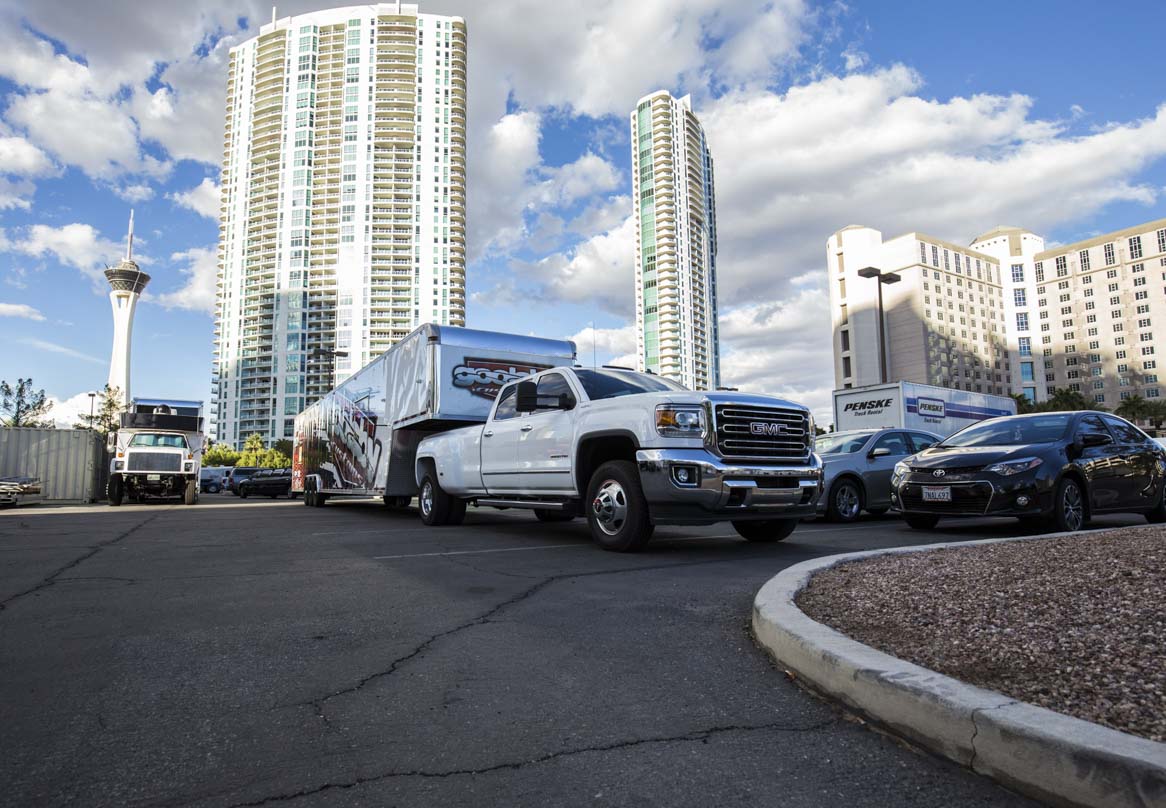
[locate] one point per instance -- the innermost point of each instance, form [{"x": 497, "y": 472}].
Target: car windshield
[
  {"x": 149, "y": 439},
  {"x": 605, "y": 383},
  {"x": 1015, "y": 431},
  {"x": 841, "y": 443}
]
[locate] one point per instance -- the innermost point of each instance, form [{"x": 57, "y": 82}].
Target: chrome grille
[
  {"x": 154, "y": 461},
  {"x": 762, "y": 433}
]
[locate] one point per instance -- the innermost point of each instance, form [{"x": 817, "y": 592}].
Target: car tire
[
  {"x": 190, "y": 495},
  {"x": 1157, "y": 515},
  {"x": 845, "y": 503},
  {"x": 544, "y": 515},
  {"x": 438, "y": 508},
  {"x": 768, "y": 531},
  {"x": 921, "y": 521},
  {"x": 617, "y": 511},
  {"x": 242, "y": 493},
  {"x": 115, "y": 490},
  {"x": 1069, "y": 514}
]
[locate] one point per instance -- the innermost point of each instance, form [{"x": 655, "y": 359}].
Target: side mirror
[
  {"x": 111, "y": 441},
  {"x": 882, "y": 451},
  {"x": 527, "y": 397},
  {"x": 566, "y": 401},
  {"x": 1093, "y": 439}
]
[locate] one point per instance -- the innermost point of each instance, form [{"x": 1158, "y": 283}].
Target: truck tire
[
  {"x": 115, "y": 490},
  {"x": 768, "y": 531},
  {"x": 545, "y": 515},
  {"x": 921, "y": 521},
  {"x": 617, "y": 511},
  {"x": 845, "y": 503},
  {"x": 436, "y": 507},
  {"x": 190, "y": 495}
]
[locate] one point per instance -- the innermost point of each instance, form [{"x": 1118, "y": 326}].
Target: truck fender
[{"x": 593, "y": 449}]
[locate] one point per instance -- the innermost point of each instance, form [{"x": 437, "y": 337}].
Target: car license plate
[
  {"x": 937, "y": 493},
  {"x": 153, "y": 477}
]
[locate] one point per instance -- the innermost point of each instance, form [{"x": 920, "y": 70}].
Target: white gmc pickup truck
[{"x": 630, "y": 451}]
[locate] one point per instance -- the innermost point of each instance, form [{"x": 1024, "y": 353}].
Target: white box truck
[
  {"x": 907, "y": 405},
  {"x": 361, "y": 438}
]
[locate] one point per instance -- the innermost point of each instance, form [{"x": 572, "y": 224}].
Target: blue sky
[{"x": 947, "y": 118}]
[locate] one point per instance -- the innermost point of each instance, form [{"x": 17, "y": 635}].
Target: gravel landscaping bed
[{"x": 1076, "y": 624}]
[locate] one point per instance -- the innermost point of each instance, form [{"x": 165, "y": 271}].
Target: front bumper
[
  {"x": 718, "y": 491},
  {"x": 986, "y": 495}
]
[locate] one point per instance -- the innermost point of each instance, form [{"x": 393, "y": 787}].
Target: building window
[
  {"x": 1040, "y": 272},
  {"x": 1019, "y": 297},
  {"x": 1025, "y": 346},
  {"x": 1021, "y": 321},
  {"x": 1162, "y": 240},
  {"x": 1062, "y": 266},
  {"x": 846, "y": 367},
  {"x": 934, "y": 256},
  {"x": 1083, "y": 257},
  {"x": 845, "y": 340},
  {"x": 1018, "y": 273},
  {"x": 1152, "y": 392},
  {"x": 1110, "y": 256},
  {"x": 922, "y": 253},
  {"x": 1136, "y": 247}
]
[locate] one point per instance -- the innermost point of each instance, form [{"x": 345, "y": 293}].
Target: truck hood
[{"x": 686, "y": 397}]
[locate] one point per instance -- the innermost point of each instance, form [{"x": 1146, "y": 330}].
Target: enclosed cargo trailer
[{"x": 361, "y": 438}]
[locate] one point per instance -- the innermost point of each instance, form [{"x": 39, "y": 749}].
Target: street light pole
[
  {"x": 882, "y": 277},
  {"x": 92, "y": 396}
]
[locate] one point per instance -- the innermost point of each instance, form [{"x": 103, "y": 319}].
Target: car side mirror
[
  {"x": 527, "y": 397},
  {"x": 1093, "y": 439},
  {"x": 566, "y": 401},
  {"x": 882, "y": 451}
]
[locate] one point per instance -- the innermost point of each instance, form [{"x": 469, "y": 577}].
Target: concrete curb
[{"x": 1047, "y": 755}]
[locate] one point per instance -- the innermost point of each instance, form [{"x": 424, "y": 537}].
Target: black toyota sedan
[{"x": 1057, "y": 468}]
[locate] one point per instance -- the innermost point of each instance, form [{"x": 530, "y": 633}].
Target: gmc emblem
[{"x": 761, "y": 428}]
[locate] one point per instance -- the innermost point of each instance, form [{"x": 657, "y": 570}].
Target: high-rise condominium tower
[
  {"x": 343, "y": 211},
  {"x": 676, "y": 243}
]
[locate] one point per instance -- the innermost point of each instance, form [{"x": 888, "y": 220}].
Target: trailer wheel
[
  {"x": 436, "y": 506},
  {"x": 617, "y": 511},
  {"x": 190, "y": 495},
  {"x": 115, "y": 490}
]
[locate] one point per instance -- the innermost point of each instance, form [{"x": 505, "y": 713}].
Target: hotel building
[
  {"x": 343, "y": 214},
  {"x": 1079, "y": 317},
  {"x": 676, "y": 243}
]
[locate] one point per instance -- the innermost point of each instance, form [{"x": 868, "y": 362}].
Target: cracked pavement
[{"x": 244, "y": 653}]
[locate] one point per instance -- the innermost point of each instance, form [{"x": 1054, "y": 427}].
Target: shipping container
[
  {"x": 68, "y": 462},
  {"x": 907, "y": 405},
  {"x": 361, "y": 438}
]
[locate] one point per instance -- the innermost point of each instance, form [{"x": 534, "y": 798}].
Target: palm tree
[{"x": 1134, "y": 409}]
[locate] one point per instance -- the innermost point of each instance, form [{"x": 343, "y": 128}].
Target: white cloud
[
  {"x": 15, "y": 194},
  {"x": 52, "y": 347},
  {"x": 135, "y": 193},
  {"x": 22, "y": 310},
  {"x": 66, "y": 413},
  {"x": 198, "y": 292},
  {"x": 76, "y": 245},
  {"x": 203, "y": 198},
  {"x": 610, "y": 346},
  {"x": 19, "y": 157}
]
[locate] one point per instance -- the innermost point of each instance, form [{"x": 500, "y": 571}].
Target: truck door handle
[
  {"x": 527, "y": 427},
  {"x": 489, "y": 433}
]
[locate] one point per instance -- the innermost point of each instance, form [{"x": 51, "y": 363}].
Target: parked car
[
  {"x": 267, "y": 482},
  {"x": 212, "y": 480},
  {"x": 237, "y": 475},
  {"x": 1058, "y": 469},
  {"x": 857, "y": 466}
]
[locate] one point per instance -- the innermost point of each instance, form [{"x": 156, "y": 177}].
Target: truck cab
[
  {"x": 157, "y": 451},
  {"x": 628, "y": 451}
]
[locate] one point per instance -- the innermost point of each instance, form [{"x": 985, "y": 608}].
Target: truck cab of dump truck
[
  {"x": 156, "y": 451},
  {"x": 628, "y": 451}
]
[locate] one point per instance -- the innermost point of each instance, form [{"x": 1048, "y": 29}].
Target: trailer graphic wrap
[{"x": 485, "y": 377}]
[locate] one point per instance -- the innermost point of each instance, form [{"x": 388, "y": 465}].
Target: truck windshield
[
  {"x": 600, "y": 384},
  {"x": 1015, "y": 431},
  {"x": 148, "y": 439},
  {"x": 841, "y": 442}
]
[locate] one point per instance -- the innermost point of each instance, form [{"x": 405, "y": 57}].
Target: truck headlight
[
  {"x": 674, "y": 421},
  {"x": 1014, "y": 466}
]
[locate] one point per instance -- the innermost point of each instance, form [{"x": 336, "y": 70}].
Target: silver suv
[{"x": 858, "y": 465}]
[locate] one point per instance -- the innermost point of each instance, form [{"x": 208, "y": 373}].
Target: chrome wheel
[
  {"x": 1072, "y": 507},
  {"x": 425, "y": 500},
  {"x": 610, "y": 507},
  {"x": 847, "y": 502}
]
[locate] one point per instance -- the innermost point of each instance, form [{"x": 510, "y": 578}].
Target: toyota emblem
[{"x": 938, "y": 473}]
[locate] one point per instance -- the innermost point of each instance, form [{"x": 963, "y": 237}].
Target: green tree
[
  {"x": 284, "y": 446},
  {"x": 24, "y": 406},
  {"x": 1023, "y": 404},
  {"x": 106, "y": 418},
  {"x": 220, "y": 454},
  {"x": 1156, "y": 413},
  {"x": 255, "y": 454},
  {"x": 1135, "y": 408}
]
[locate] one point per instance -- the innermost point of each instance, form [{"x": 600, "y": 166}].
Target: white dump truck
[{"x": 157, "y": 451}]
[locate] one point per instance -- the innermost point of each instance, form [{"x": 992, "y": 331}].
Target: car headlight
[
  {"x": 1014, "y": 466},
  {"x": 901, "y": 470},
  {"x": 674, "y": 421}
]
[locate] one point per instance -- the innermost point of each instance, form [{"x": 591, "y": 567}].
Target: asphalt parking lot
[{"x": 253, "y": 652}]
